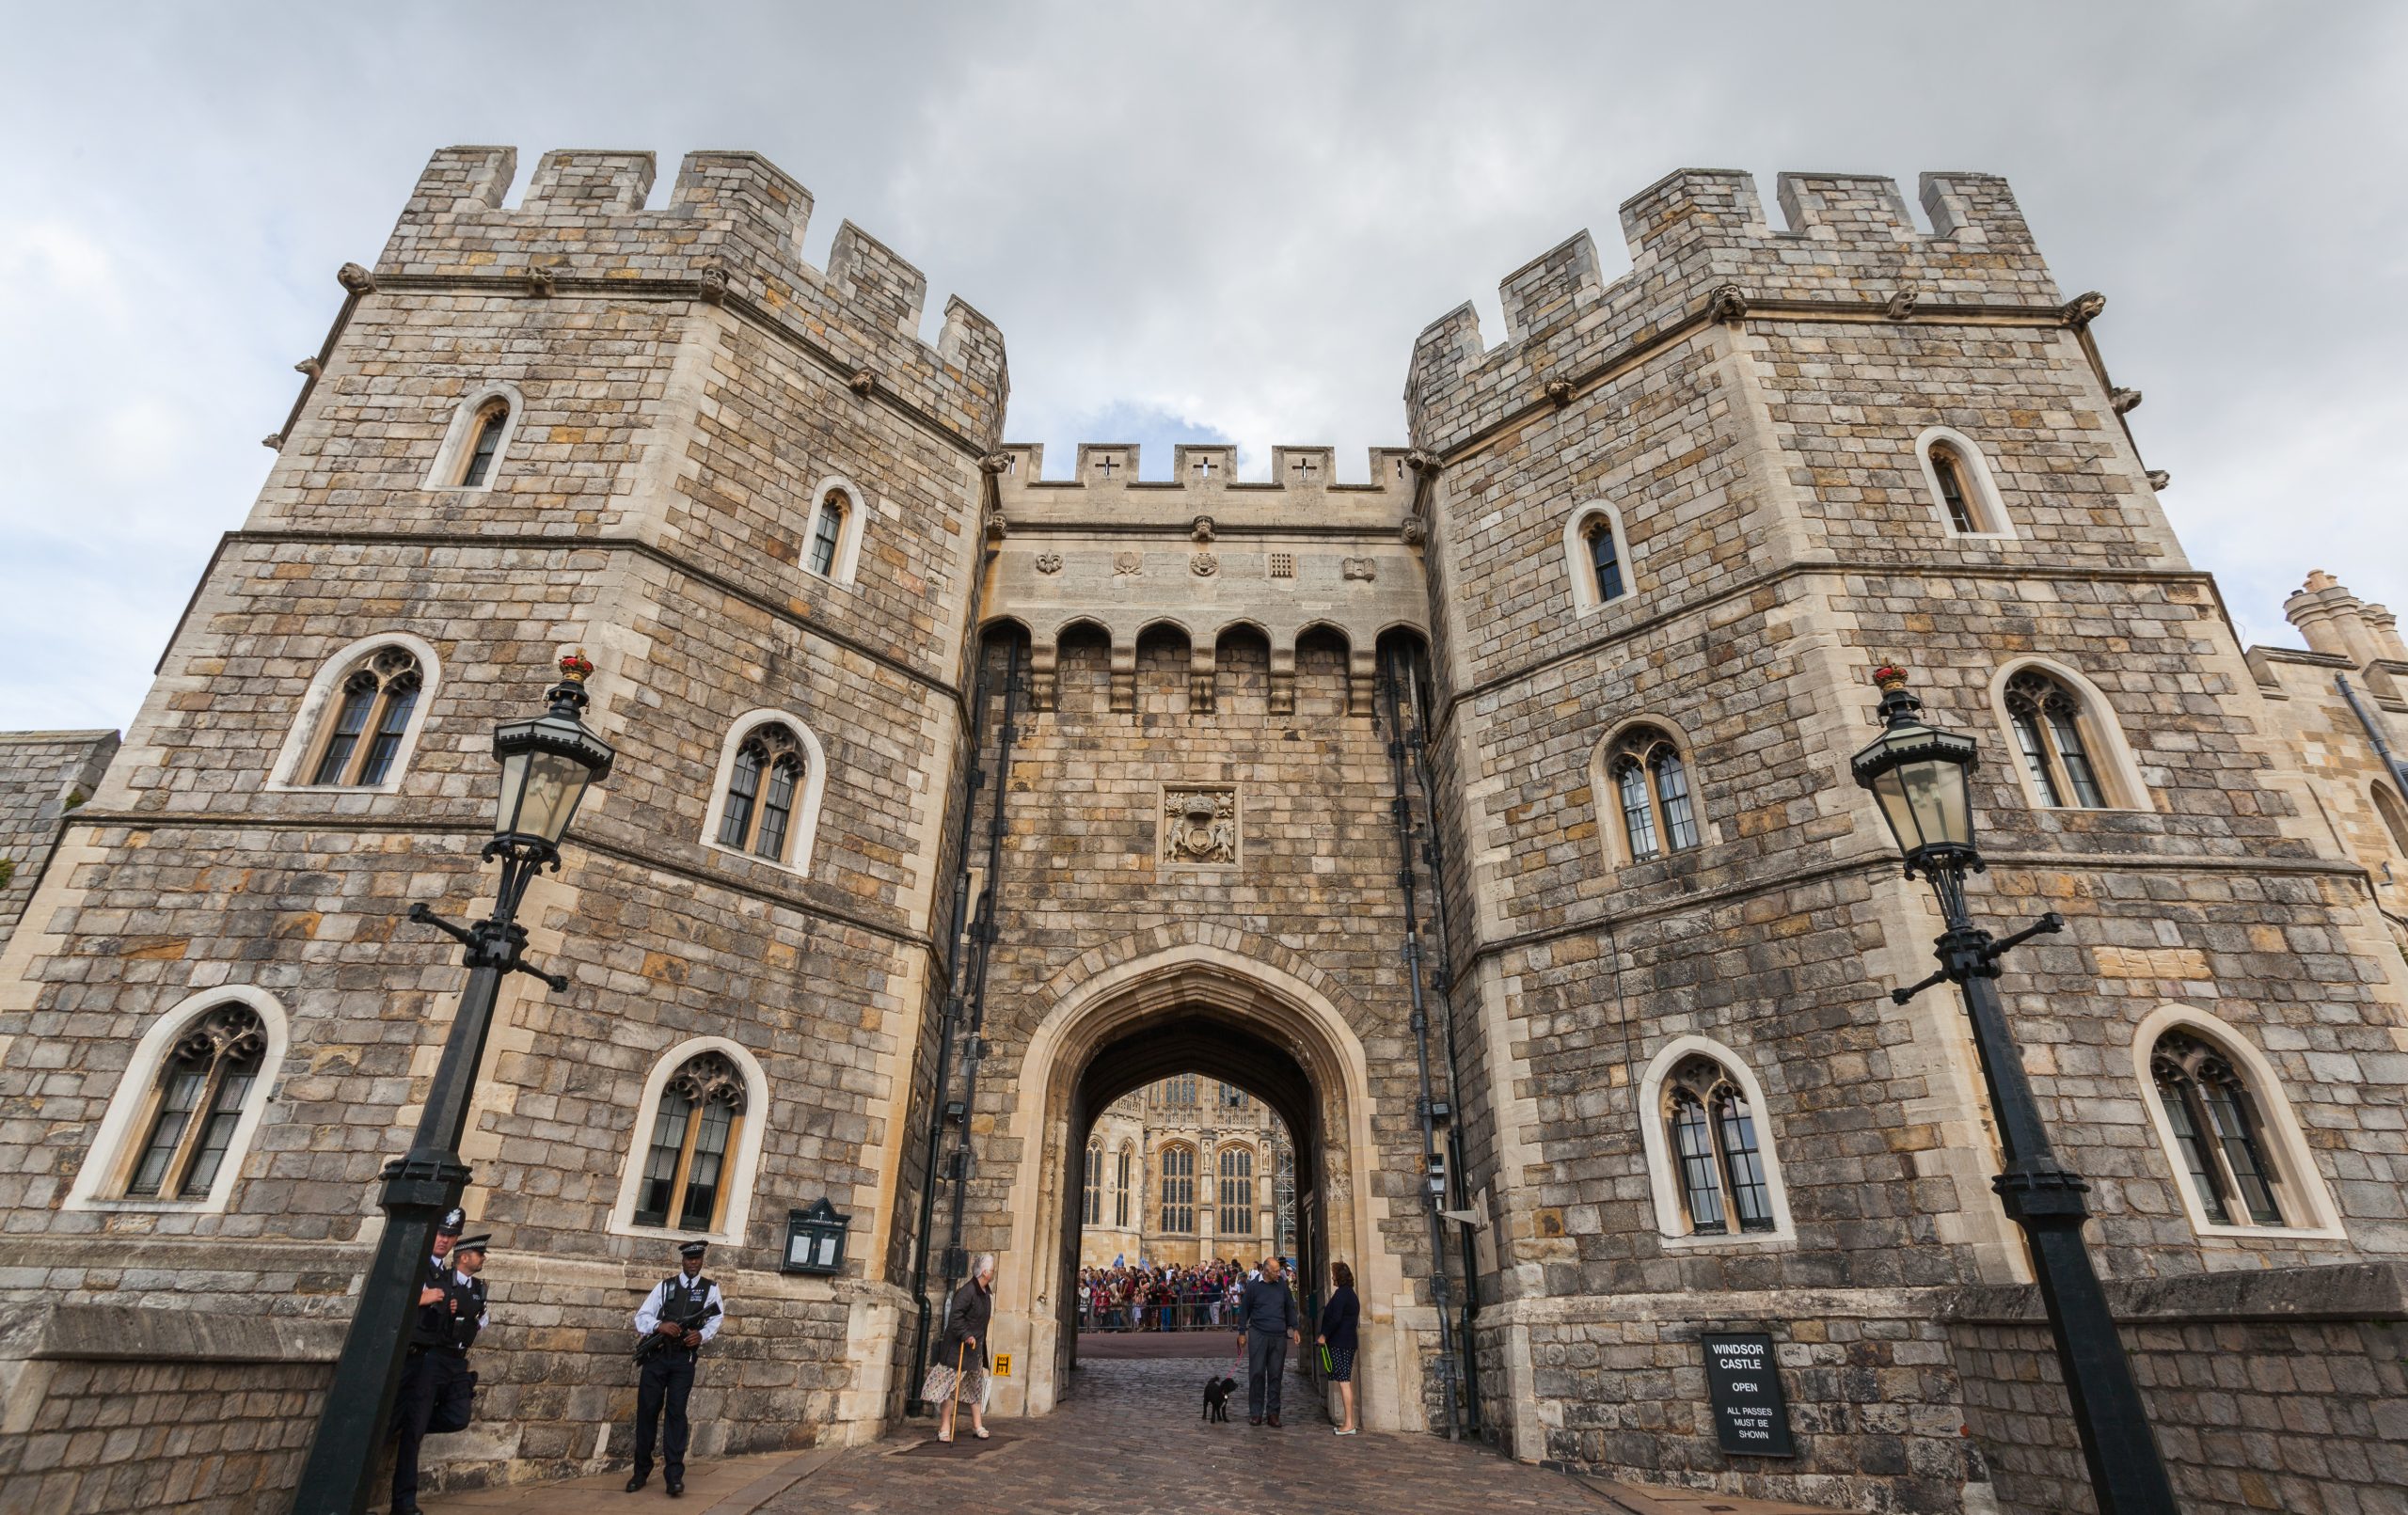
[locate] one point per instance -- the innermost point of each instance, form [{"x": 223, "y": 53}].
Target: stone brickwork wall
[
  {"x": 42, "y": 775},
  {"x": 1748, "y": 403},
  {"x": 2285, "y": 1390}
]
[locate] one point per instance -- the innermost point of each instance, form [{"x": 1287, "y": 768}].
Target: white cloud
[{"x": 1231, "y": 219}]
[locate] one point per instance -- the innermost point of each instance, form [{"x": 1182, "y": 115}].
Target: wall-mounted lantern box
[{"x": 815, "y": 1239}]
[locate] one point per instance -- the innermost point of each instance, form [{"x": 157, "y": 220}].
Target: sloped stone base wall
[{"x": 2282, "y": 1390}]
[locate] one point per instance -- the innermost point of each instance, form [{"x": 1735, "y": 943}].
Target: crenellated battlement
[
  {"x": 1104, "y": 485},
  {"x": 733, "y": 226},
  {"x": 1849, "y": 240}
]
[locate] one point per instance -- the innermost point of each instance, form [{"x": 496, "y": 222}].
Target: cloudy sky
[{"x": 1191, "y": 221}]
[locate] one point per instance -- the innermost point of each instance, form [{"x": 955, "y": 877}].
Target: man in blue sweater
[{"x": 1266, "y": 1324}]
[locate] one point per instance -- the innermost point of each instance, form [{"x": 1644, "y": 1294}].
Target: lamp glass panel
[
  {"x": 514, "y": 789},
  {"x": 555, "y": 781}
]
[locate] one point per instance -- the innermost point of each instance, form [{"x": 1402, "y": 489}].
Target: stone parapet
[
  {"x": 1696, "y": 233},
  {"x": 731, "y": 230}
]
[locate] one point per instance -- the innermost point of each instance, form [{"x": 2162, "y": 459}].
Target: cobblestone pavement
[{"x": 1129, "y": 1443}]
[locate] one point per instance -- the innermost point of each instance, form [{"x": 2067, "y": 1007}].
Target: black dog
[{"x": 1217, "y": 1398}]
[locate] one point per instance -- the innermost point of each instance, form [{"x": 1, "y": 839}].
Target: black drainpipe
[
  {"x": 957, "y": 959},
  {"x": 1430, "y": 1199},
  {"x": 2391, "y": 765},
  {"x": 982, "y": 941},
  {"x": 1434, "y": 852}
]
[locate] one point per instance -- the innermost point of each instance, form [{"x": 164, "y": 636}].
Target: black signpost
[{"x": 1743, "y": 1386}]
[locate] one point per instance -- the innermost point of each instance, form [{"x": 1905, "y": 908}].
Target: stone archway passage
[
  {"x": 1207, "y": 1007},
  {"x": 1213, "y": 1043}
]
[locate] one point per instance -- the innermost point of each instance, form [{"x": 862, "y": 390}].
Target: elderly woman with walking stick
[{"x": 958, "y": 1375}]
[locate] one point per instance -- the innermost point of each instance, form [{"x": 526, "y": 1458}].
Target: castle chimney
[
  {"x": 2334, "y": 621},
  {"x": 2385, "y": 628}
]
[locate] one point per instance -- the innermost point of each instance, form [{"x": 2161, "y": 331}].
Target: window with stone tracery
[
  {"x": 196, "y": 1102},
  {"x": 1094, "y": 1208},
  {"x": 2052, "y": 742},
  {"x": 2219, "y": 1134},
  {"x": 757, "y": 814},
  {"x": 1124, "y": 1172},
  {"x": 695, "y": 1128},
  {"x": 1718, "y": 1159},
  {"x": 1651, "y": 794},
  {"x": 1179, "y": 1190},
  {"x": 365, "y": 726},
  {"x": 1236, "y": 1193}
]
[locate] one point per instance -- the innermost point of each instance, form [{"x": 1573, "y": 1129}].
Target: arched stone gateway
[{"x": 1222, "y": 1011}]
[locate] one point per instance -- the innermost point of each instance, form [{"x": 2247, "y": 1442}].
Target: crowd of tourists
[{"x": 1168, "y": 1297}]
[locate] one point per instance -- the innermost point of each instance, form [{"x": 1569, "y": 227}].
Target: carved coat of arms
[{"x": 1199, "y": 824}]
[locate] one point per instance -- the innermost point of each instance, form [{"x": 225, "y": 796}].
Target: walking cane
[{"x": 961, "y": 1355}]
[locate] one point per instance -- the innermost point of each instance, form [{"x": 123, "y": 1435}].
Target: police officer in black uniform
[
  {"x": 433, "y": 1361},
  {"x": 681, "y": 1313},
  {"x": 456, "y": 1403}
]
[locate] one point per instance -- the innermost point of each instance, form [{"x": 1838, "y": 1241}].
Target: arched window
[
  {"x": 196, "y": 1102},
  {"x": 1598, "y": 557},
  {"x": 1094, "y": 1211},
  {"x": 2047, "y": 719},
  {"x": 478, "y": 439},
  {"x": 827, "y": 531},
  {"x": 758, "y": 816},
  {"x": 1181, "y": 1091},
  {"x": 1236, "y": 1193},
  {"x": 1962, "y": 493},
  {"x": 1124, "y": 1171},
  {"x": 695, "y": 1129},
  {"x": 1651, "y": 792},
  {"x": 1720, "y": 1162},
  {"x": 770, "y": 776},
  {"x": 2218, "y": 1132},
  {"x": 2395, "y": 818},
  {"x": 1179, "y": 1190},
  {"x": 1234, "y": 1097},
  {"x": 368, "y": 722},
  {"x": 485, "y": 442}
]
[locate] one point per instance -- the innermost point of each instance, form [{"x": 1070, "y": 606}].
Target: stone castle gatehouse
[{"x": 1487, "y": 820}]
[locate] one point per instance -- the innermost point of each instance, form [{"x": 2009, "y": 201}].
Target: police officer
[
  {"x": 681, "y": 1313},
  {"x": 456, "y": 1403},
  {"x": 430, "y": 1363}
]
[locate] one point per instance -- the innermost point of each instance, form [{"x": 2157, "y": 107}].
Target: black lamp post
[
  {"x": 546, "y": 763},
  {"x": 1922, "y": 778}
]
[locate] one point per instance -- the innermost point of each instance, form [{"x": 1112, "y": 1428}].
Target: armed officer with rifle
[{"x": 680, "y": 1315}]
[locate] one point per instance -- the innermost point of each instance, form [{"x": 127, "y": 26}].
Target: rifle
[{"x": 653, "y": 1343}]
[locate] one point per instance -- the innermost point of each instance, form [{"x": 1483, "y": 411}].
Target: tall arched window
[
  {"x": 2049, "y": 722},
  {"x": 1236, "y": 1193},
  {"x": 758, "y": 816},
  {"x": 2395, "y": 818},
  {"x": 1651, "y": 792},
  {"x": 1719, "y": 1162},
  {"x": 1124, "y": 1172},
  {"x": 1956, "y": 489},
  {"x": 1179, "y": 1190},
  {"x": 492, "y": 422},
  {"x": 196, "y": 1104},
  {"x": 827, "y": 531},
  {"x": 695, "y": 1129},
  {"x": 365, "y": 726},
  {"x": 1598, "y": 557},
  {"x": 1963, "y": 496},
  {"x": 2218, "y": 1132},
  {"x": 1180, "y": 1090},
  {"x": 1094, "y": 1210},
  {"x": 771, "y": 775}
]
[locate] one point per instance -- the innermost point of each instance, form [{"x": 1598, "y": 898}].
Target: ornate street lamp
[
  {"x": 1922, "y": 778},
  {"x": 546, "y": 765}
]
